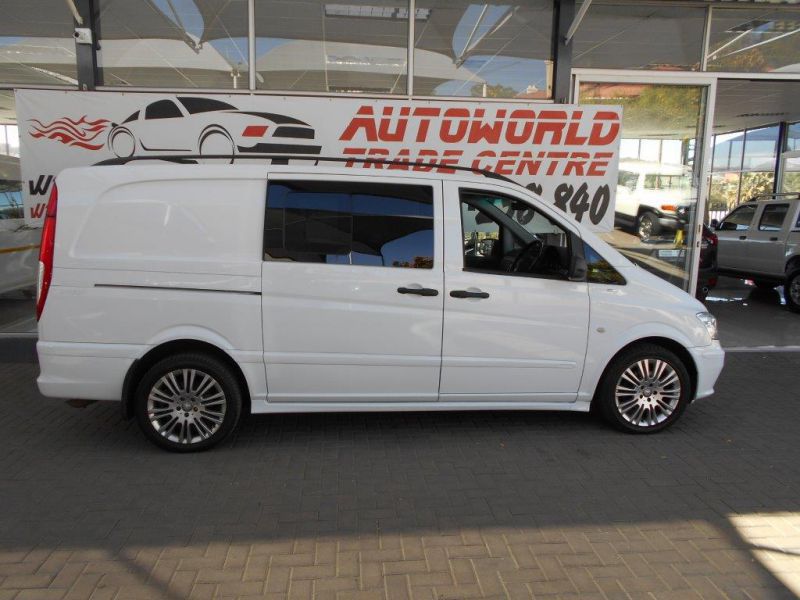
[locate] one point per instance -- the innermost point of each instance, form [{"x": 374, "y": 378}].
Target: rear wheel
[
  {"x": 791, "y": 290},
  {"x": 188, "y": 402},
  {"x": 647, "y": 226},
  {"x": 644, "y": 390}
]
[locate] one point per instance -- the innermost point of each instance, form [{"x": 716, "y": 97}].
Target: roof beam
[{"x": 576, "y": 22}]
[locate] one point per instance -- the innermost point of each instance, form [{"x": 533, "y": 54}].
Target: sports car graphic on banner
[
  {"x": 185, "y": 124},
  {"x": 568, "y": 154}
]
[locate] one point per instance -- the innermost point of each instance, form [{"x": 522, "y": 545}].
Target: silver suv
[{"x": 760, "y": 240}]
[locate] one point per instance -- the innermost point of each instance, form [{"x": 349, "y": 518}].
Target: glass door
[{"x": 661, "y": 189}]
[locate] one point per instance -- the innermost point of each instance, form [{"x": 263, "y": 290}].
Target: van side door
[
  {"x": 515, "y": 326},
  {"x": 352, "y": 284}
]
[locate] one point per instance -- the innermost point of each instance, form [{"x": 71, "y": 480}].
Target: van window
[
  {"x": 739, "y": 219},
  {"x": 598, "y": 269},
  {"x": 350, "y": 223},
  {"x": 506, "y": 235},
  {"x": 772, "y": 217}
]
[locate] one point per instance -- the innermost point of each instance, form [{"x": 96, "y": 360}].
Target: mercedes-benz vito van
[{"x": 195, "y": 293}]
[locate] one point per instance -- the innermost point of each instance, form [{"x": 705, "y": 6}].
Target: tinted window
[
  {"x": 507, "y": 235},
  {"x": 163, "y": 109},
  {"x": 350, "y": 223},
  {"x": 739, "y": 219},
  {"x": 772, "y": 217},
  {"x": 598, "y": 268},
  {"x": 199, "y": 105}
]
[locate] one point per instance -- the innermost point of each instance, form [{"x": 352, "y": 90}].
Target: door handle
[
  {"x": 773, "y": 239},
  {"x": 742, "y": 237},
  {"x": 418, "y": 291},
  {"x": 468, "y": 294}
]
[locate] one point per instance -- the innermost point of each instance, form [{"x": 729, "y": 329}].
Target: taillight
[{"x": 46, "y": 251}]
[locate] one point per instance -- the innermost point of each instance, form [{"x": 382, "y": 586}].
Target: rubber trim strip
[{"x": 172, "y": 288}]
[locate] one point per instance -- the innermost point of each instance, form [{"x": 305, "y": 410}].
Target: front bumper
[{"x": 709, "y": 361}]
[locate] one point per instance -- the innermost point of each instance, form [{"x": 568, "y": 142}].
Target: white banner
[{"x": 568, "y": 154}]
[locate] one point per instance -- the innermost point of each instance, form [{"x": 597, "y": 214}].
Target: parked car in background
[
  {"x": 707, "y": 273},
  {"x": 19, "y": 243},
  {"x": 309, "y": 289},
  {"x": 652, "y": 199},
  {"x": 760, "y": 240}
]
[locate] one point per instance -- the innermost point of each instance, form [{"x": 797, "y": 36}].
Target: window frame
[
  {"x": 574, "y": 241},
  {"x": 763, "y": 212},
  {"x": 752, "y": 207},
  {"x": 436, "y": 217}
]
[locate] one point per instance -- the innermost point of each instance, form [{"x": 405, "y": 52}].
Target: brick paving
[{"x": 406, "y": 506}]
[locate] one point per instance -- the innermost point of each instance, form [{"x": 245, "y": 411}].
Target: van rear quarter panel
[{"x": 145, "y": 255}]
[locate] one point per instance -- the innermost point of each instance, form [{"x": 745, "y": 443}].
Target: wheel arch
[
  {"x": 169, "y": 348},
  {"x": 792, "y": 264},
  {"x": 667, "y": 343}
]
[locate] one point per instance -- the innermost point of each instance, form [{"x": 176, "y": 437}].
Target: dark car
[{"x": 707, "y": 273}]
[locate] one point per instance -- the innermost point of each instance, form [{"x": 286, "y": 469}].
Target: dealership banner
[{"x": 568, "y": 154}]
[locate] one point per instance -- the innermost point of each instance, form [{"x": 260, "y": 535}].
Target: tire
[
  {"x": 188, "y": 424},
  {"x": 647, "y": 226},
  {"x": 763, "y": 284},
  {"x": 675, "y": 393},
  {"x": 791, "y": 290}
]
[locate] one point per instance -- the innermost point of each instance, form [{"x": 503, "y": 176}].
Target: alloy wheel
[
  {"x": 647, "y": 392},
  {"x": 186, "y": 406}
]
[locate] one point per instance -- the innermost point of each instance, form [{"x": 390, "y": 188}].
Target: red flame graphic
[{"x": 70, "y": 132}]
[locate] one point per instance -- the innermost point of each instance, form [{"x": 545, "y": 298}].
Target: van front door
[
  {"x": 352, "y": 289},
  {"x": 515, "y": 327}
]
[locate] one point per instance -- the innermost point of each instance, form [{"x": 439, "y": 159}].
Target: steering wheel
[{"x": 527, "y": 257}]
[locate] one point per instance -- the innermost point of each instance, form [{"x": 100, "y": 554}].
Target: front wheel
[
  {"x": 188, "y": 402},
  {"x": 644, "y": 390},
  {"x": 647, "y": 226},
  {"x": 791, "y": 290}
]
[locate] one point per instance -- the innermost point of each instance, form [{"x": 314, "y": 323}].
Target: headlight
[{"x": 710, "y": 323}]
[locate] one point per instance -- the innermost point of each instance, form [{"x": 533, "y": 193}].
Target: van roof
[{"x": 369, "y": 162}]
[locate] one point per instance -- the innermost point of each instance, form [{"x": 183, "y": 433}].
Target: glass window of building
[
  {"x": 754, "y": 40},
  {"x": 354, "y": 46},
  {"x": 485, "y": 50},
  {"x": 659, "y": 172},
  {"x": 19, "y": 244},
  {"x": 640, "y": 37},
  {"x": 173, "y": 44},
  {"x": 36, "y": 43}
]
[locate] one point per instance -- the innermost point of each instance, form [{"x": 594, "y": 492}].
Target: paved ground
[{"x": 422, "y": 506}]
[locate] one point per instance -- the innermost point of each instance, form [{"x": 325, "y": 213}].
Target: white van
[{"x": 195, "y": 293}]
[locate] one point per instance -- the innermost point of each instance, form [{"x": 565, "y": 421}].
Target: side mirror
[
  {"x": 714, "y": 224},
  {"x": 578, "y": 269}
]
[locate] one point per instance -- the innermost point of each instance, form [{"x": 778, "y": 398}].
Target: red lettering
[
  {"x": 400, "y": 128},
  {"x": 599, "y": 138},
  {"x": 513, "y": 136},
  {"x": 506, "y": 167},
  {"x": 489, "y": 132},
  {"x": 356, "y": 151},
  {"x": 572, "y": 138},
  {"x": 528, "y": 165},
  {"x": 365, "y": 120},
  {"x": 598, "y": 168},
  {"x": 577, "y": 163},
  {"x": 476, "y": 164},
  {"x": 455, "y": 155},
  {"x": 551, "y": 168},
  {"x": 424, "y": 123},
  {"x": 445, "y": 133}
]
